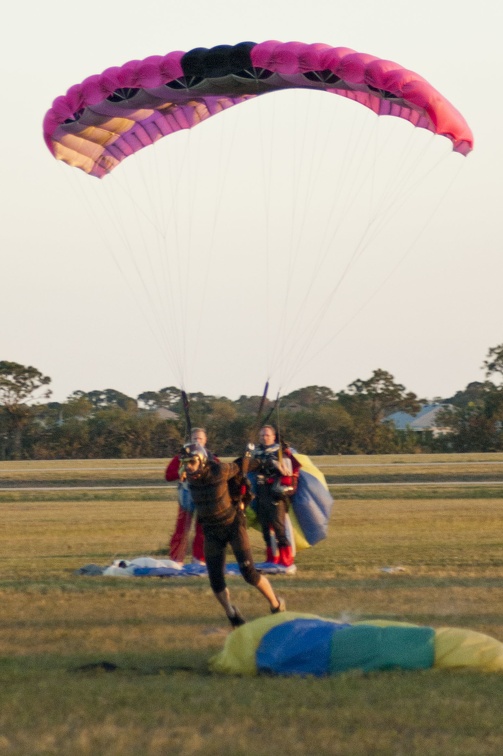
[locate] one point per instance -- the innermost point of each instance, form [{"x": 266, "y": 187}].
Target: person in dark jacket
[
  {"x": 277, "y": 473},
  {"x": 223, "y": 523}
]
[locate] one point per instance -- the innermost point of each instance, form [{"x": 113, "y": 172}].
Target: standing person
[
  {"x": 180, "y": 538},
  {"x": 223, "y": 523},
  {"x": 277, "y": 477}
]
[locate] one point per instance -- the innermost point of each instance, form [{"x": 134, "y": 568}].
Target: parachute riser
[{"x": 186, "y": 411}]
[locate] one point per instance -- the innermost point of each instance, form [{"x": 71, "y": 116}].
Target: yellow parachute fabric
[
  {"x": 457, "y": 648},
  {"x": 309, "y": 467}
]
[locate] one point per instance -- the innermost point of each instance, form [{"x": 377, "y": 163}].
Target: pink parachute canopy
[{"x": 114, "y": 114}]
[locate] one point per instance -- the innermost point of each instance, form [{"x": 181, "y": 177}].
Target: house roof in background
[{"x": 424, "y": 420}]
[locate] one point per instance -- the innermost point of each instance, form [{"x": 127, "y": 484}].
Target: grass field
[{"x": 94, "y": 665}]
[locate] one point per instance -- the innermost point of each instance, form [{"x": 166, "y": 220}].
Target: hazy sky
[{"x": 422, "y": 299}]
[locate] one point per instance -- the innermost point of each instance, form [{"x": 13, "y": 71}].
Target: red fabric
[
  {"x": 172, "y": 469},
  {"x": 180, "y": 538},
  {"x": 286, "y": 556},
  {"x": 271, "y": 557},
  {"x": 198, "y": 543},
  {"x": 296, "y": 470}
]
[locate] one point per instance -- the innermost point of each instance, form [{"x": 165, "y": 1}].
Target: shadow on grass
[{"x": 106, "y": 667}]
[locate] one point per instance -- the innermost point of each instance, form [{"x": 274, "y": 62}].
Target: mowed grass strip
[
  {"x": 435, "y": 561},
  {"x": 87, "y": 472},
  {"x": 338, "y": 469},
  {"x": 411, "y": 468}
]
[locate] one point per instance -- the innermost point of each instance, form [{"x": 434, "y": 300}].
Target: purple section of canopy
[{"x": 88, "y": 131}]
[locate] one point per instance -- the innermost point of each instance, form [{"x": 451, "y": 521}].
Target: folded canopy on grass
[{"x": 303, "y": 644}]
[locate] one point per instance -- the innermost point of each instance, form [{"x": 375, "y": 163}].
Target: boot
[
  {"x": 285, "y": 556},
  {"x": 237, "y": 618},
  {"x": 270, "y": 556},
  {"x": 281, "y": 606}
]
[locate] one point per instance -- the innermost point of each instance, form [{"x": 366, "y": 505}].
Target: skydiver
[
  {"x": 223, "y": 523},
  {"x": 276, "y": 481}
]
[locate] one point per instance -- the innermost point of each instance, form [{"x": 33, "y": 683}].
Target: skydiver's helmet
[{"x": 194, "y": 451}]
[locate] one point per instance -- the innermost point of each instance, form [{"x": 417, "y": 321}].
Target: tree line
[{"x": 316, "y": 420}]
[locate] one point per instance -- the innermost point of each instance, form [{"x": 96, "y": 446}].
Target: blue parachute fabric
[
  {"x": 194, "y": 569},
  {"x": 270, "y": 568},
  {"x": 369, "y": 648},
  {"x": 232, "y": 568},
  {"x": 190, "y": 570},
  {"x": 312, "y": 504},
  {"x": 157, "y": 572},
  {"x": 297, "y": 647}
]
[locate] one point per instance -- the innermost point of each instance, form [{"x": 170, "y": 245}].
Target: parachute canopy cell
[
  {"x": 292, "y": 643},
  {"x": 110, "y": 116}
]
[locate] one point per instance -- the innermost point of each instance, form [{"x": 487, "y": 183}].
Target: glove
[{"x": 281, "y": 492}]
